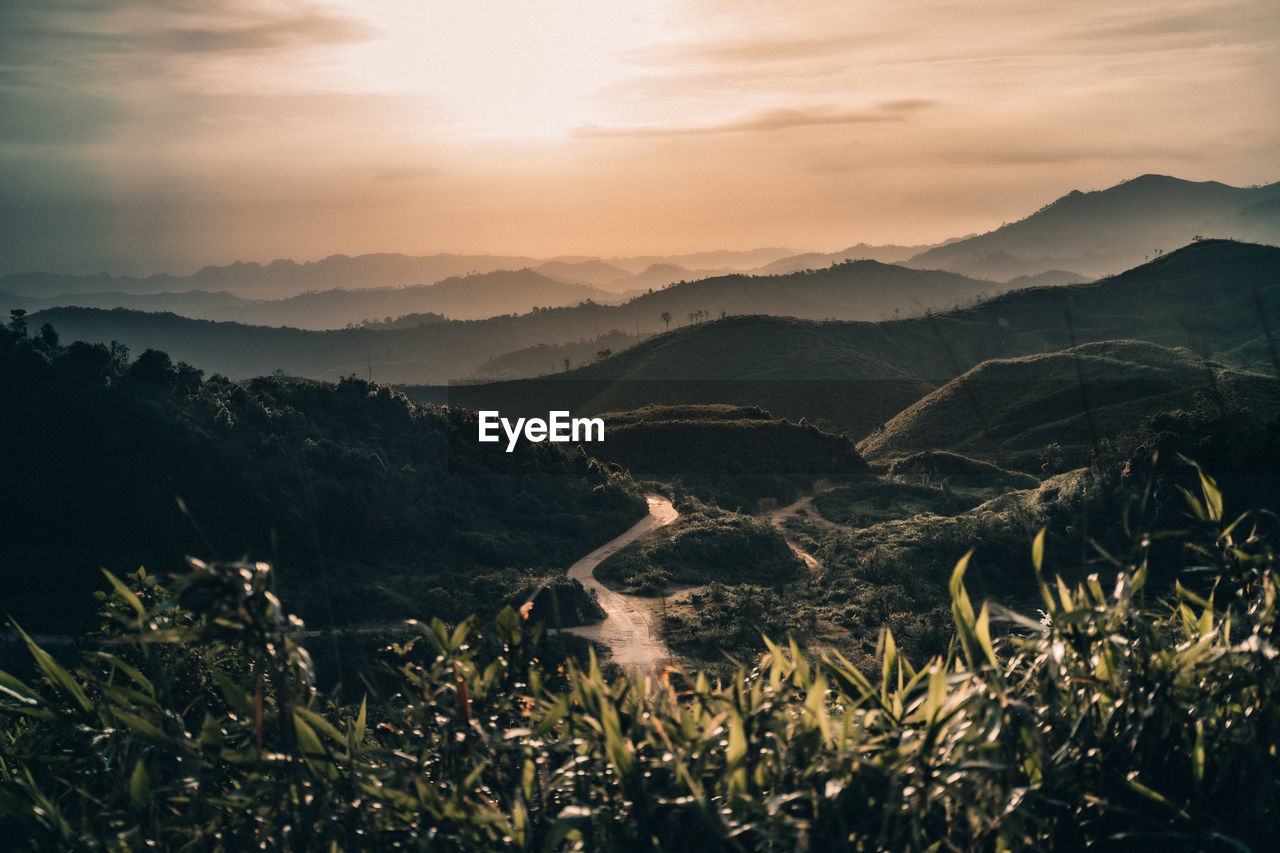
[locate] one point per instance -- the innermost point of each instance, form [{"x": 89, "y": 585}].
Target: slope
[
  {"x": 1010, "y": 410},
  {"x": 349, "y": 487}
]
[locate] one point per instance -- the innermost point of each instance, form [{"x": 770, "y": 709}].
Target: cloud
[{"x": 781, "y": 118}]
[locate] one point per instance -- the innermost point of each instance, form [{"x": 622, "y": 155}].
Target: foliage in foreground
[{"x": 1110, "y": 721}]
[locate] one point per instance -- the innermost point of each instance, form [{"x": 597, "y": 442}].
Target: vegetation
[
  {"x": 373, "y": 506},
  {"x": 1010, "y": 410},
  {"x": 522, "y": 362},
  {"x": 1119, "y": 718},
  {"x": 732, "y": 455},
  {"x": 705, "y": 544}
]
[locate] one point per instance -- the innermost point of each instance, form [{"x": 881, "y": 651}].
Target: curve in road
[{"x": 628, "y": 628}]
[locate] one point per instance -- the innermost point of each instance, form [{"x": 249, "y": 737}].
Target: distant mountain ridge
[
  {"x": 443, "y": 351},
  {"x": 281, "y": 279},
  {"x": 278, "y": 279},
  {"x": 470, "y": 297},
  {"x": 1103, "y": 232}
]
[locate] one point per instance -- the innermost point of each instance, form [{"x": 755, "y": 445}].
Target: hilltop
[{"x": 1102, "y": 232}]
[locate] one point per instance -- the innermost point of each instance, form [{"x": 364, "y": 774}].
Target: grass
[
  {"x": 1123, "y": 719},
  {"x": 704, "y": 545}
]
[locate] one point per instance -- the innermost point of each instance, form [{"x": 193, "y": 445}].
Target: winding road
[{"x": 628, "y": 628}]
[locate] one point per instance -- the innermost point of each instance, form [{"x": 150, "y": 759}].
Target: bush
[{"x": 1112, "y": 720}]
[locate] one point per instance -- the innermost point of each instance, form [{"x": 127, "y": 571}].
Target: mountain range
[
  {"x": 1106, "y": 231},
  {"x": 469, "y": 297},
  {"x": 439, "y": 351},
  {"x": 1214, "y": 298}
]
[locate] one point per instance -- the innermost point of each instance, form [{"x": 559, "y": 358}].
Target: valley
[{"x": 799, "y": 460}]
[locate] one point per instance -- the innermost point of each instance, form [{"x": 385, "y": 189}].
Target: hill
[
  {"x": 1102, "y": 232},
  {"x": 1214, "y": 297},
  {"x": 733, "y": 455},
  {"x": 1010, "y": 410},
  {"x": 346, "y": 486}
]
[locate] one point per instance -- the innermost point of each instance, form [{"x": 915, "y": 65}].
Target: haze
[{"x": 146, "y": 135}]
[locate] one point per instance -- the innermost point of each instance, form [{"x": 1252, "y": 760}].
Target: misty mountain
[
  {"x": 1102, "y": 232},
  {"x": 863, "y": 290},
  {"x": 1214, "y": 297},
  {"x": 189, "y": 303},
  {"x": 278, "y": 279},
  {"x": 739, "y": 261},
  {"x": 281, "y": 279},
  {"x": 441, "y": 351},
  {"x": 593, "y": 272},
  {"x": 471, "y": 297},
  {"x": 888, "y": 254}
]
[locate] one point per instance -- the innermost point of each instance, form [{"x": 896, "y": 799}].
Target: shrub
[{"x": 1112, "y": 720}]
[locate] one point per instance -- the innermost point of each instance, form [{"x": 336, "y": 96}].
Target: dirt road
[
  {"x": 629, "y": 628},
  {"x": 779, "y": 515}
]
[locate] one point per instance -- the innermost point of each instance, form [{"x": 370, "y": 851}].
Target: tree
[
  {"x": 18, "y": 322},
  {"x": 48, "y": 336},
  {"x": 155, "y": 366},
  {"x": 666, "y": 318},
  {"x": 188, "y": 377},
  {"x": 566, "y": 364}
]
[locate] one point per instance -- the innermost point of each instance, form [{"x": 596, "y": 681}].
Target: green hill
[
  {"x": 1010, "y": 410},
  {"x": 734, "y": 455}
]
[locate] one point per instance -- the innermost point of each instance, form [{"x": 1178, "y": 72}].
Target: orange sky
[{"x": 166, "y": 134}]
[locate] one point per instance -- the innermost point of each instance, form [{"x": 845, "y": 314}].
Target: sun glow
[{"x": 530, "y": 69}]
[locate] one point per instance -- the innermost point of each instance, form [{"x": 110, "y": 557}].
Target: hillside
[
  {"x": 1102, "y": 232},
  {"x": 345, "y": 487},
  {"x": 1205, "y": 297},
  {"x": 733, "y": 455},
  {"x": 440, "y": 352},
  {"x": 1010, "y": 410}
]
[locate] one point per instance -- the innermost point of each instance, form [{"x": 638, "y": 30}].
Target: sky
[{"x": 143, "y": 136}]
